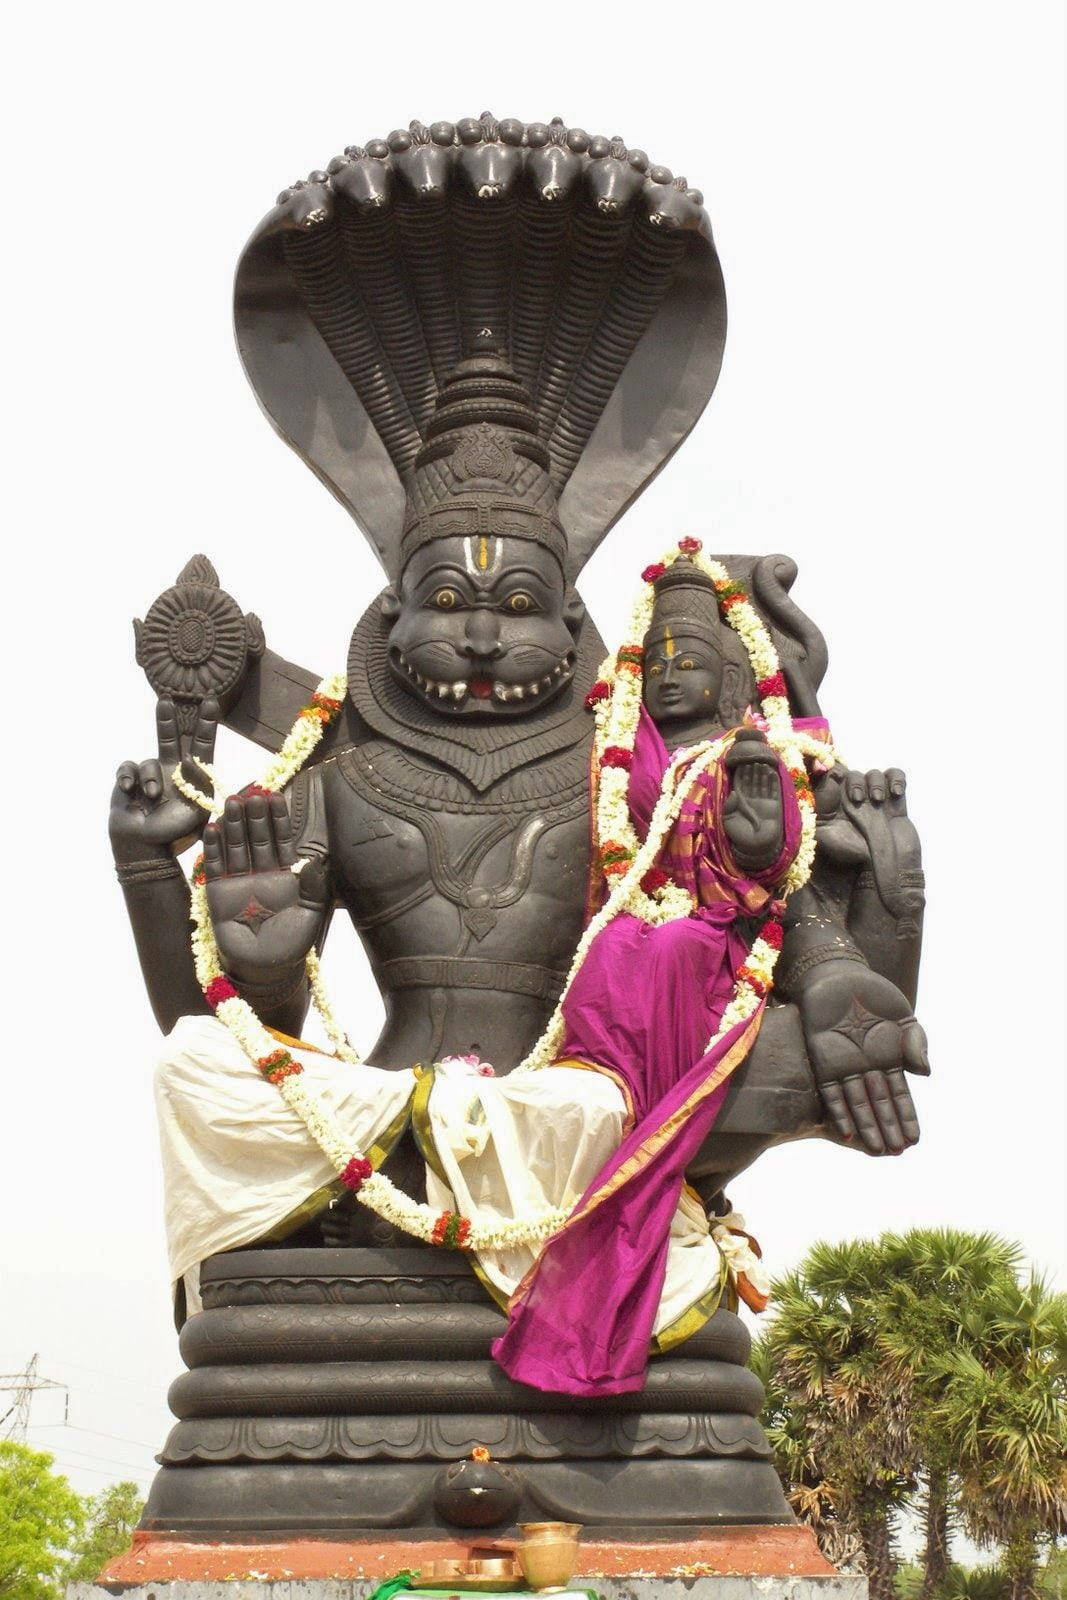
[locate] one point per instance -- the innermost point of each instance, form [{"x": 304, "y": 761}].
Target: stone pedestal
[{"x": 339, "y": 1393}]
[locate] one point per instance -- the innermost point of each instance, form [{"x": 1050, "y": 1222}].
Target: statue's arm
[
  {"x": 149, "y": 822},
  {"x": 157, "y": 904},
  {"x": 859, "y": 1025},
  {"x": 248, "y": 861}
]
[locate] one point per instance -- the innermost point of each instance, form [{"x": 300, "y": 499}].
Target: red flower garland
[
  {"x": 616, "y": 755},
  {"x": 356, "y": 1171},
  {"x": 774, "y": 685},
  {"x": 599, "y": 691},
  {"x": 690, "y": 546},
  {"x": 654, "y": 572},
  {"x": 218, "y": 990}
]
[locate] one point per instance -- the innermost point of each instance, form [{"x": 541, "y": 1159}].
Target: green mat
[{"x": 402, "y": 1584}]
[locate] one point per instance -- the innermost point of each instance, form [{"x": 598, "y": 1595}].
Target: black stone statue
[{"x": 485, "y": 338}]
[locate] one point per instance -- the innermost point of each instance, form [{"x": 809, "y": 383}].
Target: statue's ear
[
  {"x": 731, "y": 697},
  {"x": 390, "y": 604},
  {"x": 573, "y": 610}
]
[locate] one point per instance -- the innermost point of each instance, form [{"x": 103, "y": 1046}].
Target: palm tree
[
  {"x": 838, "y": 1416},
  {"x": 976, "y": 1583},
  {"x": 937, "y": 1277},
  {"x": 788, "y": 1421},
  {"x": 919, "y": 1358},
  {"x": 1003, "y": 1416}
]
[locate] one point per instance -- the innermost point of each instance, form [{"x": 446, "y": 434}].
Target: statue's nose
[{"x": 482, "y": 635}]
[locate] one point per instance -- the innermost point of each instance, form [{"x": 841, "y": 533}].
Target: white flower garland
[
  {"x": 618, "y": 708},
  {"x": 616, "y": 725},
  {"x": 278, "y": 1065}
]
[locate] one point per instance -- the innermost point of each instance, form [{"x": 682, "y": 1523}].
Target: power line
[
  {"x": 93, "y": 1455},
  {"x": 100, "y": 1472},
  {"x": 98, "y": 1433},
  {"x": 99, "y": 1372},
  {"x": 139, "y": 1394},
  {"x": 24, "y": 1385}
]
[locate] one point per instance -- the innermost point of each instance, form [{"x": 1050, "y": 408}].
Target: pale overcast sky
[{"x": 885, "y": 185}]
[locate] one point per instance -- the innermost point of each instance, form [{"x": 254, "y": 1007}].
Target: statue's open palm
[
  {"x": 862, "y": 1037},
  {"x": 266, "y": 916},
  {"x": 752, "y": 815}
]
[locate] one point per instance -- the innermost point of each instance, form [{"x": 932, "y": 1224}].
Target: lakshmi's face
[
  {"x": 483, "y": 626},
  {"x": 683, "y": 679}
]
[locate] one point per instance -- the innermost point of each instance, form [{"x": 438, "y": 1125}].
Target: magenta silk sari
[{"x": 642, "y": 1008}]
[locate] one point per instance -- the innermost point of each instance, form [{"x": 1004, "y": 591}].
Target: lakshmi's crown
[{"x": 686, "y": 605}]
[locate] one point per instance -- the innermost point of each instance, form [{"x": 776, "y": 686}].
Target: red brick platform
[{"x": 712, "y": 1552}]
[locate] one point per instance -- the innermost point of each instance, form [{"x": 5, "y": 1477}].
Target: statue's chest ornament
[
  {"x": 481, "y": 904},
  {"x": 452, "y": 869}
]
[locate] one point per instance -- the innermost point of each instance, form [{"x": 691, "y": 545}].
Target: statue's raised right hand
[
  {"x": 149, "y": 817},
  {"x": 266, "y": 916}
]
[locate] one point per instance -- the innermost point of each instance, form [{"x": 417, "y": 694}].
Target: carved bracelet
[
  {"x": 153, "y": 870},
  {"x": 272, "y": 994},
  {"x": 814, "y": 958}
]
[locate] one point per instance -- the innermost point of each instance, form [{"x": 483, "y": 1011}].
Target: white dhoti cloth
[{"x": 238, "y": 1163}]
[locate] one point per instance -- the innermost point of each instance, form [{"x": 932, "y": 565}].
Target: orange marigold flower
[{"x": 288, "y": 1069}]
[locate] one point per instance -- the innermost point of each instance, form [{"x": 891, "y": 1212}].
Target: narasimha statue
[{"x": 633, "y": 921}]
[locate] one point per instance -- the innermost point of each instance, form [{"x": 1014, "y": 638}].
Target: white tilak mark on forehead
[{"x": 482, "y": 554}]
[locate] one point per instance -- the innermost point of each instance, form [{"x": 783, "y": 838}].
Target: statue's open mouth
[{"x": 480, "y": 686}]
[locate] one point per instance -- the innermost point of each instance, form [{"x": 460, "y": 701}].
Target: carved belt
[{"x": 469, "y": 972}]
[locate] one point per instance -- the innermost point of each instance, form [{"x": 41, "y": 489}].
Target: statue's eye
[
  {"x": 686, "y": 664},
  {"x": 655, "y": 670},
  {"x": 519, "y": 603},
  {"x": 445, "y": 599}
]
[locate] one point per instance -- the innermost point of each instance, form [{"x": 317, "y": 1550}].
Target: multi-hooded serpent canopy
[{"x": 594, "y": 268}]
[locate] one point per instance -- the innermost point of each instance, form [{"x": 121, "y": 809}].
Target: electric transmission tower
[{"x": 15, "y": 1421}]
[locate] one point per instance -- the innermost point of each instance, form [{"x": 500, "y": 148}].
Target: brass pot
[{"x": 548, "y": 1553}]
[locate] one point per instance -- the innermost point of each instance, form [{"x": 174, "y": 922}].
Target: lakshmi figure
[{"x": 667, "y": 1009}]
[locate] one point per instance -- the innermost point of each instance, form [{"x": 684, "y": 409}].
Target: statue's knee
[{"x": 187, "y": 1044}]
